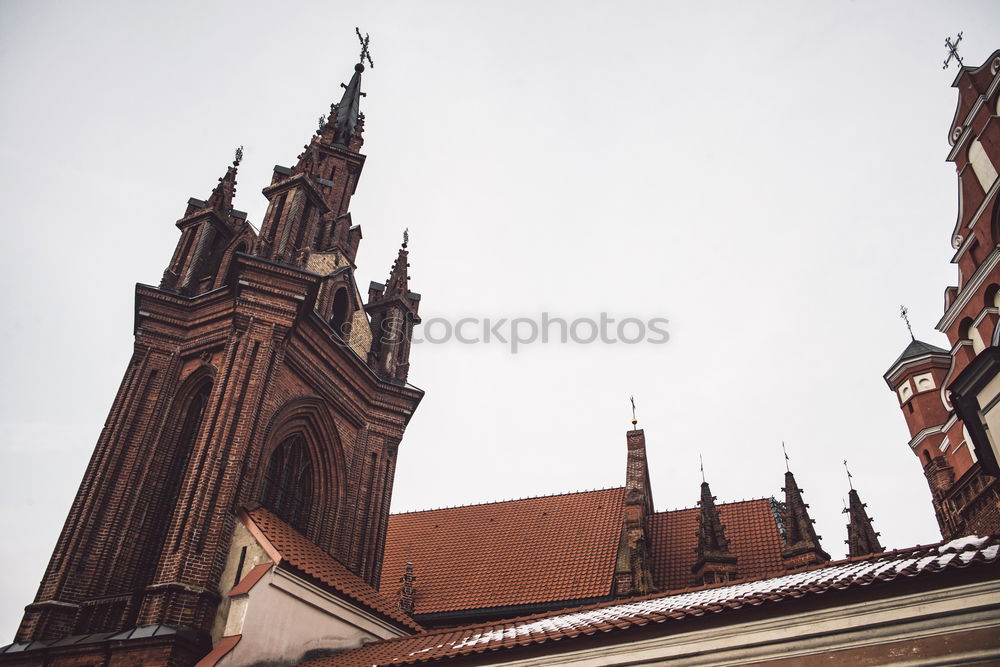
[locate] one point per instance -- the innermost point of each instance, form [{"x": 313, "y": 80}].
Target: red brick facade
[
  {"x": 246, "y": 354},
  {"x": 966, "y": 499}
]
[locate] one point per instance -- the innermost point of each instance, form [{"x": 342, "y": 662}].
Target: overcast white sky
[{"x": 768, "y": 176}]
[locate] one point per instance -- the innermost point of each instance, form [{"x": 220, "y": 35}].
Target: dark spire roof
[
  {"x": 711, "y": 532},
  {"x": 345, "y": 115},
  {"x": 861, "y": 536},
  {"x": 800, "y": 536},
  {"x": 918, "y": 348},
  {"x": 398, "y": 282},
  {"x": 222, "y": 196}
]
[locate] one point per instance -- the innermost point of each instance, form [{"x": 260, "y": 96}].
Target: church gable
[{"x": 292, "y": 600}]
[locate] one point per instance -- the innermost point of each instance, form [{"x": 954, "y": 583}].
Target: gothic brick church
[{"x": 236, "y": 508}]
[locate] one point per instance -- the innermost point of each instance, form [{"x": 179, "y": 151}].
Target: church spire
[
  {"x": 393, "y": 311},
  {"x": 344, "y": 115},
  {"x": 221, "y": 198},
  {"x": 399, "y": 279},
  {"x": 714, "y": 563},
  {"x": 802, "y": 545},
  {"x": 861, "y": 536}
]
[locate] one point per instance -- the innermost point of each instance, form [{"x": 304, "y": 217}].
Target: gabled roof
[
  {"x": 751, "y": 529},
  {"x": 617, "y": 617},
  {"x": 299, "y": 553},
  {"x": 507, "y": 554}
]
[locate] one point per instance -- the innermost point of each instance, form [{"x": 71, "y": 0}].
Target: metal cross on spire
[
  {"x": 787, "y": 467},
  {"x": 952, "y": 51},
  {"x": 634, "y": 420},
  {"x": 850, "y": 477},
  {"x": 904, "y": 314},
  {"x": 364, "y": 48}
]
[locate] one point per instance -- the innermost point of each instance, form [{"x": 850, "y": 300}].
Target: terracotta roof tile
[
  {"x": 299, "y": 552},
  {"x": 751, "y": 528},
  {"x": 518, "y": 552},
  {"x": 614, "y": 616}
]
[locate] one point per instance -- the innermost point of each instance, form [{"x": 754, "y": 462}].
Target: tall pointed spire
[
  {"x": 344, "y": 115},
  {"x": 802, "y": 545},
  {"x": 861, "y": 536},
  {"x": 714, "y": 563},
  {"x": 633, "y": 575},
  {"x": 399, "y": 279},
  {"x": 221, "y": 198},
  {"x": 393, "y": 311}
]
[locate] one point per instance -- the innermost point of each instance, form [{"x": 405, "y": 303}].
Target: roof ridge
[
  {"x": 508, "y": 622},
  {"x": 731, "y": 502},
  {"x": 510, "y": 500}
]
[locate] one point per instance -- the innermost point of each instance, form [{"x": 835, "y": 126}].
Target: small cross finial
[
  {"x": 952, "y": 51},
  {"x": 239, "y": 157},
  {"x": 701, "y": 464},
  {"x": 364, "y": 48},
  {"x": 850, "y": 478},
  {"x": 634, "y": 420},
  {"x": 785, "y": 451},
  {"x": 904, "y": 314}
]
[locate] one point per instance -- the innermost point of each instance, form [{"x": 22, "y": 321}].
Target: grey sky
[{"x": 768, "y": 176}]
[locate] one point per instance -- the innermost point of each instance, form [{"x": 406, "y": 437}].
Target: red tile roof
[
  {"x": 752, "y": 531},
  {"x": 518, "y": 552},
  {"x": 301, "y": 554},
  {"x": 617, "y": 616}
]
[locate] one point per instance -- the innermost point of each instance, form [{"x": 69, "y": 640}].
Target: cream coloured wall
[{"x": 283, "y": 618}]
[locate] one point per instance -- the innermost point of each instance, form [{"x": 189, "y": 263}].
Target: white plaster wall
[
  {"x": 255, "y": 556},
  {"x": 284, "y": 617}
]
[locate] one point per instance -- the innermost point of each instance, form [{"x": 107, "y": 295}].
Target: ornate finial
[
  {"x": 239, "y": 157},
  {"x": 787, "y": 467},
  {"x": 904, "y": 314},
  {"x": 634, "y": 420},
  {"x": 406, "y": 237},
  {"x": 364, "y": 49},
  {"x": 701, "y": 464},
  {"x": 322, "y": 122},
  {"x": 850, "y": 479},
  {"x": 952, "y": 51}
]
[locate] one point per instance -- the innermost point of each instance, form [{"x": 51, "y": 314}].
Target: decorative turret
[
  {"x": 632, "y": 571},
  {"x": 309, "y": 202},
  {"x": 802, "y": 545},
  {"x": 861, "y": 536},
  {"x": 207, "y": 229},
  {"x": 393, "y": 311},
  {"x": 714, "y": 564}
]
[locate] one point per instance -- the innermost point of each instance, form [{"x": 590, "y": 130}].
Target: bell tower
[
  {"x": 948, "y": 395},
  {"x": 257, "y": 378}
]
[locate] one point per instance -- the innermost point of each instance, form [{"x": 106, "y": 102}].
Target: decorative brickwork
[
  {"x": 861, "y": 536},
  {"x": 800, "y": 538},
  {"x": 964, "y": 494},
  {"x": 714, "y": 563},
  {"x": 238, "y": 352}
]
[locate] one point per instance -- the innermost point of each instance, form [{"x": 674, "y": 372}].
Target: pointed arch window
[{"x": 288, "y": 482}]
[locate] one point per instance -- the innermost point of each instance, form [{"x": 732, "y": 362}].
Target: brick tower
[
  {"x": 947, "y": 395},
  {"x": 257, "y": 378}
]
